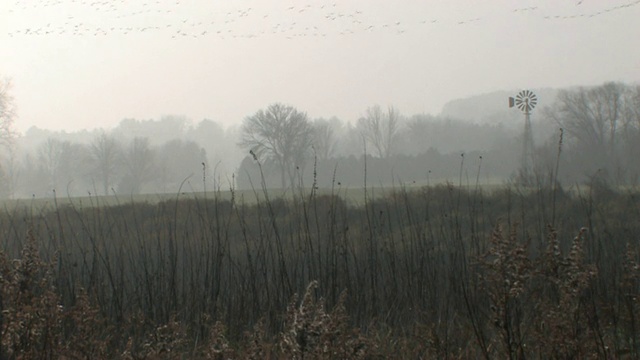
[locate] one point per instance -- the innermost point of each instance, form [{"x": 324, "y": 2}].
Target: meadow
[{"x": 440, "y": 271}]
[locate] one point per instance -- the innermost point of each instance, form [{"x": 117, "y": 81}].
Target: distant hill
[{"x": 493, "y": 108}]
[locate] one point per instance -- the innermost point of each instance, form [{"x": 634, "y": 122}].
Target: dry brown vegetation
[{"x": 439, "y": 272}]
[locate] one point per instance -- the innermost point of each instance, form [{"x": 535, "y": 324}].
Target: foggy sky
[{"x": 104, "y": 61}]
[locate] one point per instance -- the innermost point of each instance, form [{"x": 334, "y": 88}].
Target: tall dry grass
[{"x": 438, "y": 272}]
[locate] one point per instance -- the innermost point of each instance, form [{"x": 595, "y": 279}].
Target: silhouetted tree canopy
[
  {"x": 139, "y": 165},
  {"x": 281, "y": 133},
  {"x": 107, "y": 154}
]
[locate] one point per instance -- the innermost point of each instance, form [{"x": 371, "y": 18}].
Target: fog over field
[{"x": 81, "y": 64}]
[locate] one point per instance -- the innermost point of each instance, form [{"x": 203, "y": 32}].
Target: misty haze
[{"x": 319, "y": 179}]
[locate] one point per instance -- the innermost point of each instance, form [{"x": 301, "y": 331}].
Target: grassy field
[
  {"x": 406, "y": 272},
  {"x": 353, "y": 195}
]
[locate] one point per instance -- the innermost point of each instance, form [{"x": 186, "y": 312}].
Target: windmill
[{"x": 526, "y": 100}]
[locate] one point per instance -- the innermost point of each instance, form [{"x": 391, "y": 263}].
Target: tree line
[
  {"x": 106, "y": 166},
  {"x": 602, "y": 124},
  {"x": 281, "y": 146},
  {"x": 586, "y": 133}
]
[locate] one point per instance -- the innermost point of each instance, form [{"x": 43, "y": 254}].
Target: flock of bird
[{"x": 176, "y": 19}]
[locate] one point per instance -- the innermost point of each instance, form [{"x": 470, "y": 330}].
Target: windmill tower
[{"x": 526, "y": 100}]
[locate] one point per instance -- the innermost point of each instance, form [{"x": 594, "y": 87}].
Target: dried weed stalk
[{"x": 312, "y": 333}]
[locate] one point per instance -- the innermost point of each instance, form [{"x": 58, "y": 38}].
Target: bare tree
[
  {"x": 7, "y": 136},
  {"x": 61, "y": 162},
  {"x": 603, "y": 122},
  {"x": 631, "y": 132},
  {"x": 50, "y": 157},
  {"x": 138, "y": 159},
  {"x": 12, "y": 172},
  {"x": 179, "y": 160},
  {"x": 7, "y": 113},
  {"x": 282, "y": 134},
  {"x": 380, "y": 129},
  {"x": 106, "y": 152},
  {"x": 631, "y": 112},
  {"x": 590, "y": 115},
  {"x": 324, "y": 138},
  {"x": 419, "y": 131}
]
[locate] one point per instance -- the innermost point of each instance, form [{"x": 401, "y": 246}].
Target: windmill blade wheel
[{"x": 526, "y": 100}]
